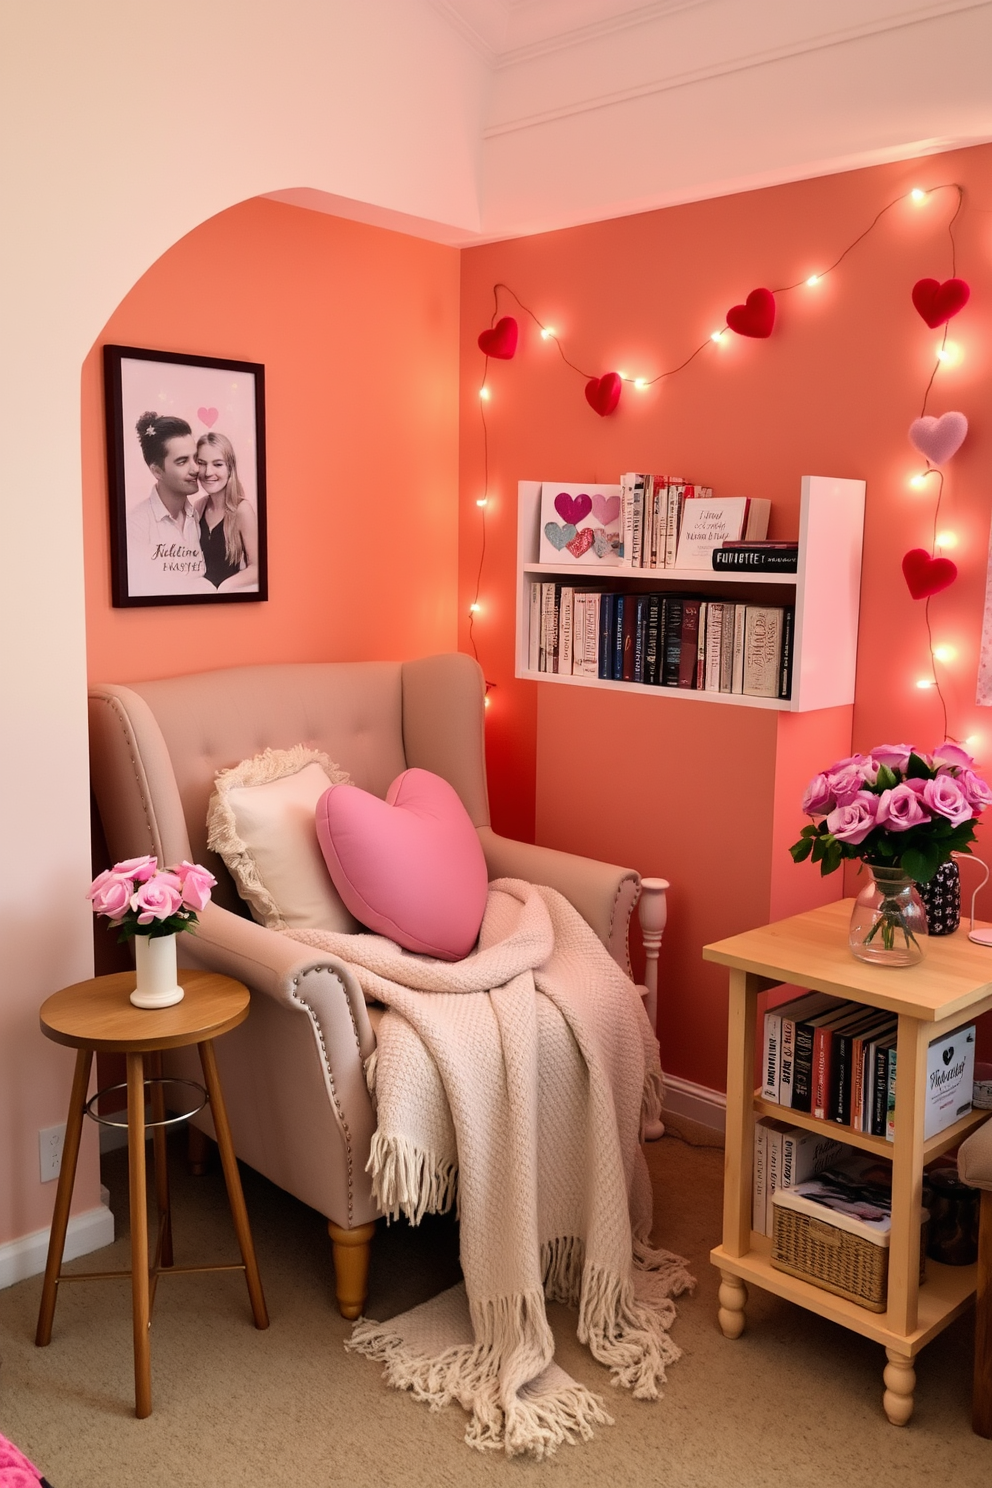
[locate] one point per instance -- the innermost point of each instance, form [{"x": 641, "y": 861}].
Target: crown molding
[
  {"x": 826, "y": 40},
  {"x": 482, "y": 23},
  {"x": 607, "y": 25}
]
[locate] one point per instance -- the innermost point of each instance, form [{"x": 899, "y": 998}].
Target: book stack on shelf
[
  {"x": 785, "y": 1155},
  {"x": 661, "y": 640},
  {"x": 668, "y": 523},
  {"x": 756, "y": 557},
  {"x": 836, "y": 1060}
]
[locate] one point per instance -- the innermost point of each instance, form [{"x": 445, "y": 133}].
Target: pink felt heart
[
  {"x": 925, "y": 575},
  {"x": 939, "y": 438},
  {"x": 603, "y": 393},
  {"x": 581, "y": 542},
  {"x": 410, "y": 867},
  {"x": 937, "y": 302},
  {"x": 207, "y": 416},
  {"x": 756, "y": 316},
  {"x": 501, "y": 340},
  {"x": 605, "y": 509},
  {"x": 572, "y": 508}
]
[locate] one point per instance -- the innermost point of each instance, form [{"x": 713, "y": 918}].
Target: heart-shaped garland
[
  {"x": 937, "y": 302},
  {"x": 603, "y": 393},
  {"x": 925, "y": 575},
  {"x": 755, "y": 317},
  {"x": 501, "y": 340},
  {"x": 938, "y": 439}
]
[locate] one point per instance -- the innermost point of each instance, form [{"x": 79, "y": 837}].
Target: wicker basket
[{"x": 834, "y": 1259}]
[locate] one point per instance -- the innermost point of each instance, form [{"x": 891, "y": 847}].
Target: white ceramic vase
[{"x": 158, "y": 981}]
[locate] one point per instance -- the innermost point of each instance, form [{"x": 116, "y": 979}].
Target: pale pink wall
[
  {"x": 695, "y": 791},
  {"x": 357, "y": 329}
]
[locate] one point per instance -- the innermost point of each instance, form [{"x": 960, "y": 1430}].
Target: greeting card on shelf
[
  {"x": 580, "y": 524},
  {"x": 708, "y": 523}
]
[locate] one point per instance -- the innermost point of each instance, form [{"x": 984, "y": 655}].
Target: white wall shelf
[{"x": 825, "y": 590}]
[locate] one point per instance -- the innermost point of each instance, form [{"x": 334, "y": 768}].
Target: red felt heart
[
  {"x": 925, "y": 575},
  {"x": 756, "y": 316},
  {"x": 937, "y": 302},
  {"x": 603, "y": 393},
  {"x": 501, "y": 340}
]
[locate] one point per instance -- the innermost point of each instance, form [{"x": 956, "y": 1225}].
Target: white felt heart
[{"x": 939, "y": 438}]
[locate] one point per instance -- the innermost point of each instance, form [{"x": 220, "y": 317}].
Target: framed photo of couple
[{"x": 186, "y": 468}]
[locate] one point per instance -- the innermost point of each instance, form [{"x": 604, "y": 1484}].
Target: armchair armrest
[
  {"x": 603, "y": 893},
  {"x": 975, "y": 1158},
  {"x": 276, "y": 966}
]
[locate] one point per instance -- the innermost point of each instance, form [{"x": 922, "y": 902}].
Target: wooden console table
[{"x": 951, "y": 987}]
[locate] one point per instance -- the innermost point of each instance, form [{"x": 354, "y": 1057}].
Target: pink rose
[
  {"x": 901, "y": 808},
  {"x": 896, "y": 756},
  {"x": 157, "y": 899},
  {"x": 976, "y": 789},
  {"x": 863, "y": 763},
  {"x": 110, "y": 895},
  {"x": 818, "y": 797},
  {"x": 853, "y": 821},
  {"x": 139, "y": 869},
  {"x": 196, "y": 883},
  {"x": 845, "y": 782},
  {"x": 945, "y": 796},
  {"x": 952, "y": 755}
]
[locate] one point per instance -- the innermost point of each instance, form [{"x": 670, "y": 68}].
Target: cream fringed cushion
[{"x": 261, "y": 823}]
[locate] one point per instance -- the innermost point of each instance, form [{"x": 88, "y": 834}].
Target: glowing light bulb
[
  {"x": 813, "y": 279},
  {"x": 488, "y": 700},
  {"x": 546, "y": 333},
  {"x": 924, "y": 683},
  {"x": 944, "y": 653},
  {"x": 475, "y": 609},
  {"x": 716, "y": 336},
  {"x": 918, "y": 194},
  {"x": 484, "y": 394},
  {"x": 640, "y": 382},
  {"x": 947, "y": 539},
  {"x": 918, "y": 480},
  {"x": 482, "y": 501},
  {"x": 973, "y": 741}
]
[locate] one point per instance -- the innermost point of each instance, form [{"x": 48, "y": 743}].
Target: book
[
  {"x": 627, "y": 517},
  {"x": 704, "y": 611},
  {"x": 590, "y": 648},
  {"x": 770, "y": 1054},
  {"x": 758, "y": 1206},
  {"x": 882, "y": 1023},
  {"x": 762, "y": 664},
  {"x": 727, "y": 649},
  {"x": 950, "y": 1080},
  {"x": 547, "y": 626},
  {"x": 823, "y": 1054},
  {"x": 707, "y": 523},
  {"x": 737, "y": 682},
  {"x": 806, "y": 1153},
  {"x": 839, "y": 1096},
  {"x": 620, "y": 606},
  {"x": 534, "y": 629},
  {"x": 792, "y": 1013},
  {"x": 773, "y": 1168},
  {"x": 714, "y": 642},
  {"x": 675, "y": 495},
  {"x": 802, "y": 1069},
  {"x": 730, "y": 559},
  {"x": 880, "y": 1082},
  {"x": 689, "y": 643},
  {"x": 653, "y": 640},
  {"x": 565, "y": 637},
  {"x": 640, "y": 635},
  {"x": 672, "y": 648},
  {"x": 785, "y": 670},
  {"x": 554, "y": 635},
  {"x": 637, "y": 540},
  {"x": 890, "y": 1093},
  {"x": 628, "y": 638},
  {"x": 607, "y": 612}
]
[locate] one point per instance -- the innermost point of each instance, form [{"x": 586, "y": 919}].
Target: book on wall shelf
[{"x": 808, "y": 590}]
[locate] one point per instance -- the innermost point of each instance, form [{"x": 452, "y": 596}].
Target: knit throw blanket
[{"x": 514, "y": 1083}]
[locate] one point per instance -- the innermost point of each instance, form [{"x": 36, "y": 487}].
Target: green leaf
[
  {"x": 921, "y": 864},
  {"x": 801, "y": 850},
  {"x": 886, "y": 778},
  {"x": 918, "y": 769}
]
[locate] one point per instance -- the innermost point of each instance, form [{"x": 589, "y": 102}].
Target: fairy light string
[{"x": 547, "y": 333}]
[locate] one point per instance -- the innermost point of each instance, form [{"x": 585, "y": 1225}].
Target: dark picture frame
[{"x": 186, "y": 477}]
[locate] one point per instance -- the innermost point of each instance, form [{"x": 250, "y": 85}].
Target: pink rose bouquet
[
  {"x": 139, "y": 898},
  {"x": 893, "y": 808}
]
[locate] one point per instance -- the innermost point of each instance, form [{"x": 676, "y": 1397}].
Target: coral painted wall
[
  {"x": 704, "y": 794},
  {"x": 357, "y": 329}
]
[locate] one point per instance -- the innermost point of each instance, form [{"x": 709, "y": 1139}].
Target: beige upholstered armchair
[{"x": 294, "y": 1072}]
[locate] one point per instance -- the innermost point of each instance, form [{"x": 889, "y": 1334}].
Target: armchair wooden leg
[
  {"x": 652, "y": 911},
  {"x": 352, "y": 1252},
  {"x": 197, "y": 1151},
  {"x": 981, "y": 1399}
]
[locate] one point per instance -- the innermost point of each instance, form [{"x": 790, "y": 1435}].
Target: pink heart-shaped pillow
[
  {"x": 939, "y": 438},
  {"x": 924, "y": 575},
  {"x": 410, "y": 867},
  {"x": 755, "y": 317},
  {"x": 501, "y": 340},
  {"x": 603, "y": 393}
]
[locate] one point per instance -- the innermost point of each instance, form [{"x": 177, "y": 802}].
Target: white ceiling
[{"x": 595, "y": 108}]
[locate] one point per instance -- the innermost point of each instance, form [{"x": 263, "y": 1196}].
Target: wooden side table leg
[
  {"x": 235, "y": 1196},
  {"x": 352, "y": 1252},
  {"x": 981, "y": 1399},
  {"x": 139, "y": 1234},
  {"x": 733, "y": 1300},
  {"x": 900, "y": 1382},
  {"x": 63, "y": 1195},
  {"x": 160, "y": 1145}
]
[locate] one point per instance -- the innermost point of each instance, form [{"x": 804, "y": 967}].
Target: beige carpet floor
[{"x": 795, "y": 1401}]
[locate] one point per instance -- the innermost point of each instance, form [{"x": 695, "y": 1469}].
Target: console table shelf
[{"x": 951, "y": 987}]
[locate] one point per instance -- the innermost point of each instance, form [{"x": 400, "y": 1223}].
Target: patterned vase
[{"x": 942, "y": 900}]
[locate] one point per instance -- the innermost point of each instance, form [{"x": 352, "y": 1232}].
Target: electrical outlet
[{"x": 50, "y": 1140}]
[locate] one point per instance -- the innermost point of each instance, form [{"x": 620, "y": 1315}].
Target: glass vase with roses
[
  {"x": 902, "y": 813},
  {"x": 151, "y": 905}
]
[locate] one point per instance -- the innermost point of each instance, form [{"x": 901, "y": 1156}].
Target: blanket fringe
[
  {"x": 408, "y": 1180},
  {"x": 652, "y": 1097},
  {"x": 496, "y": 1379}
]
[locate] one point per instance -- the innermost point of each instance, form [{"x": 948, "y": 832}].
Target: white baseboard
[
  {"x": 26, "y": 1257},
  {"x": 695, "y": 1103}
]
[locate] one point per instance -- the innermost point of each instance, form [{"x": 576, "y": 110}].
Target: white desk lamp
[{"x": 980, "y": 937}]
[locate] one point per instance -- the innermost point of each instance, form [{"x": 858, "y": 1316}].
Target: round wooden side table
[{"x": 97, "y": 1015}]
